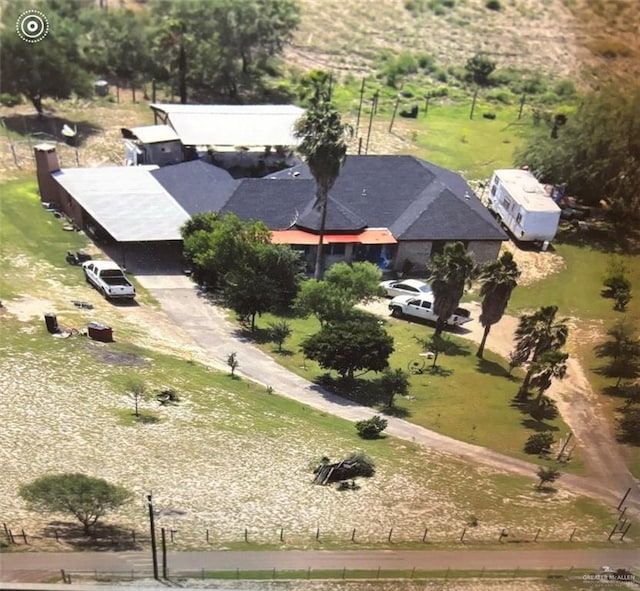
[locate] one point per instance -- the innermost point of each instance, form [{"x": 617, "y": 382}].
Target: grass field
[
  {"x": 229, "y": 455},
  {"x": 464, "y": 398}
]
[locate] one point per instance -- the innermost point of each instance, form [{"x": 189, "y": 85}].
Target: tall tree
[
  {"x": 537, "y": 334},
  {"x": 360, "y": 280},
  {"x": 221, "y": 47},
  {"x": 323, "y": 145},
  {"x": 449, "y": 274},
  {"x": 499, "y": 279},
  {"x": 51, "y": 68},
  {"x": 596, "y": 153},
  {"x": 479, "y": 68},
  {"x": 86, "y": 498}
]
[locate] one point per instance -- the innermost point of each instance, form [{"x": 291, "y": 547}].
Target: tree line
[{"x": 199, "y": 50}]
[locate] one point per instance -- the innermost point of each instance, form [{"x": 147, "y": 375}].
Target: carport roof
[
  {"x": 128, "y": 202},
  {"x": 232, "y": 125}
]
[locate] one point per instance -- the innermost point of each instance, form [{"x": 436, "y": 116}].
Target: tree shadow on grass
[
  {"x": 259, "y": 336},
  {"x": 537, "y": 415},
  {"x": 438, "y": 370},
  {"x": 599, "y": 236},
  {"x": 365, "y": 392},
  {"x": 103, "y": 537},
  {"x": 49, "y": 128},
  {"x": 495, "y": 369}
]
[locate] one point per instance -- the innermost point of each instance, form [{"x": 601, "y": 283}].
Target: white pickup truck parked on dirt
[
  {"x": 108, "y": 279},
  {"x": 422, "y": 307}
]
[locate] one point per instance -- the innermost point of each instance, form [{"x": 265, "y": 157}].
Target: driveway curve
[{"x": 188, "y": 307}]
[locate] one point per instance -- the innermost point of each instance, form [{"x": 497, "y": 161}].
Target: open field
[{"x": 229, "y": 455}]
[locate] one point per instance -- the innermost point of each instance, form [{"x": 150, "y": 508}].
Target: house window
[{"x": 334, "y": 249}]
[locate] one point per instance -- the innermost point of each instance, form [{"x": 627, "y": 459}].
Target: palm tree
[
  {"x": 550, "y": 365},
  {"x": 537, "y": 334},
  {"x": 324, "y": 147},
  {"x": 449, "y": 273},
  {"x": 500, "y": 279}
]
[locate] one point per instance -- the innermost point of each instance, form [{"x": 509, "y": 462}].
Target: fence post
[
  {"x": 133, "y": 535},
  {"x": 624, "y": 498},
  {"x": 573, "y": 533},
  {"x": 317, "y": 533},
  {"x": 624, "y": 533},
  {"x": 353, "y": 535},
  {"x": 24, "y": 537},
  {"x": 55, "y": 531},
  {"x": 282, "y": 534},
  {"x": 344, "y": 572},
  {"x": 207, "y": 535},
  {"x": 424, "y": 536},
  {"x": 464, "y": 531},
  {"x": 537, "y": 534},
  {"x": 246, "y": 535},
  {"x": 390, "y": 534}
]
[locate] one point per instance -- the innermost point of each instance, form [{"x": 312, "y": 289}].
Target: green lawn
[
  {"x": 25, "y": 228},
  {"x": 464, "y": 398},
  {"x": 445, "y": 135}
]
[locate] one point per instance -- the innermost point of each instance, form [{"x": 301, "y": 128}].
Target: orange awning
[{"x": 300, "y": 237}]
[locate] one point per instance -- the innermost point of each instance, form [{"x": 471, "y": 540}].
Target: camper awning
[{"x": 300, "y": 237}]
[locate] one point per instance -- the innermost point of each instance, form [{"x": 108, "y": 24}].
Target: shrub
[
  {"x": 501, "y": 96},
  {"x": 426, "y": 61},
  {"x": 493, "y": 5},
  {"x": 279, "y": 332},
  {"x": 539, "y": 443},
  {"x": 564, "y": 88},
  {"x": 617, "y": 285},
  {"x": 10, "y": 100},
  {"x": 371, "y": 428},
  {"x": 629, "y": 425}
]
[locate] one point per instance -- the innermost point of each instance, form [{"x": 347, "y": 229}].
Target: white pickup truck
[
  {"x": 422, "y": 307},
  {"x": 108, "y": 279}
]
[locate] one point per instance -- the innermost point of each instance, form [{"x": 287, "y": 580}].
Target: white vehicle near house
[
  {"x": 523, "y": 206},
  {"x": 398, "y": 287},
  {"x": 422, "y": 307},
  {"x": 109, "y": 279}
]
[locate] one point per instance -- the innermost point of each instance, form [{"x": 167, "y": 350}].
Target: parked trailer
[{"x": 523, "y": 206}]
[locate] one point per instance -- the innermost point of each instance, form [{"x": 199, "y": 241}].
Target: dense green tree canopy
[
  {"x": 355, "y": 343},
  {"x": 54, "y": 67},
  {"x": 596, "y": 152},
  {"x": 86, "y": 498}
]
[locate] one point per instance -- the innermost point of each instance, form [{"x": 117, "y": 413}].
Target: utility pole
[
  {"x": 154, "y": 549},
  {"x": 360, "y": 106},
  {"x": 164, "y": 553},
  {"x": 374, "y": 106}
]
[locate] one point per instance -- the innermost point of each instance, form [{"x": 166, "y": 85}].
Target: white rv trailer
[{"x": 523, "y": 206}]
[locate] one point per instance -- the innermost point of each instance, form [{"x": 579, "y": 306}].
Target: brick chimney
[{"x": 46, "y": 163}]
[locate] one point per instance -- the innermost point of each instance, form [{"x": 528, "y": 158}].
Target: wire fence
[
  {"x": 602, "y": 575},
  {"x": 177, "y": 537}
]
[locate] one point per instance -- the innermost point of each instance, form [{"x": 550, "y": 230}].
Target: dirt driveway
[{"x": 189, "y": 309}]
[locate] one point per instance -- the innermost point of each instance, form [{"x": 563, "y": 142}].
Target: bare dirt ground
[{"x": 564, "y": 38}]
